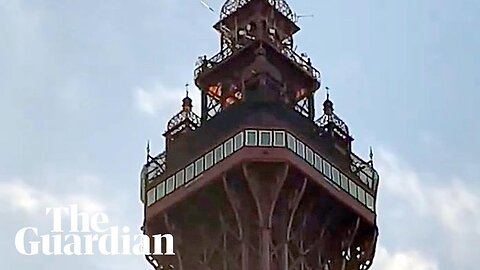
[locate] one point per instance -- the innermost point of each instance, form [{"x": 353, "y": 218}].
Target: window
[
  {"x": 179, "y": 179},
  {"x": 352, "y": 188},
  {"x": 218, "y": 154},
  {"x": 251, "y": 138},
  {"x": 198, "y": 166},
  {"x": 170, "y": 184},
  {"x": 238, "y": 141},
  {"x": 189, "y": 171},
  {"x": 370, "y": 202},
  {"x": 228, "y": 147},
  {"x": 318, "y": 163},
  {"x": 375, "y": 180},
  {"x": 336, "y": 176},
  {"x": 151, "y": 197},
  {"x": 265, "y": 138},
  {"x": 327, "y": 169},
  {"x": 291, "y": 144},
  {"x": 161, "y": 190},
  {"x": 208, "y": 160},
  {"x": 279, "y": 138},
  {"x": 300, "y": 149},
  {"x": 309, "y": 155},
  {"x": 361, "y": 195},
  {"x": 344, "y": 182}
]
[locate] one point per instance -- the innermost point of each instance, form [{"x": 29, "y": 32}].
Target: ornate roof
[
  {"x": 330, "y": 117},
  {"x": 185, "y": 117},
  {"x": 233, "y": 5},
  {"x": 333, "y": 118}
]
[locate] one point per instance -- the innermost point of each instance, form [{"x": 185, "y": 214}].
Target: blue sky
[{"x": 84, "y": 84}]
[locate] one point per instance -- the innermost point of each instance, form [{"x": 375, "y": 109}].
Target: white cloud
[
  {"x": 17, "y": 195},
  {"x": 159, "y": 98},
  {"x": 448, "y": 206},
  {"x": 405, "y": 260}
]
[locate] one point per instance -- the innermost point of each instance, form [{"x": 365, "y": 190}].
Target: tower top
[{"x": 231, "y": 6}]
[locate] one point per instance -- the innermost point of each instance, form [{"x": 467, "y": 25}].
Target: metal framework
[{"x": 256, "y": 183}]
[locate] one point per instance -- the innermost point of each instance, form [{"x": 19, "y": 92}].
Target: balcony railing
[
  {"x": 301, "y": 62},
  {"x": 268, "y": 138},
  {"x": 206, "y": 64}
]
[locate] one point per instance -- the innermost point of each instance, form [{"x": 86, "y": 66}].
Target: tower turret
[{"x": 256, "y": 183}]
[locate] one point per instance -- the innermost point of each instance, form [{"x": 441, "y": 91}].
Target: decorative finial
[
  {"x": 187, "y": 101},
  {"x": 371, "y": 156},
  {"x": 148, "y": 150},
  {"x": 327, "y": 104}
]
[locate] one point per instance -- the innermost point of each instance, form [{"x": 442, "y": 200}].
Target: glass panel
[
  {"x": 265, "y": 138},
  {"x": 198, "y": 166},
  {"x": 336, "y": 176},
  {"x": 361, "y": 195},
  {"x": 363, "y": 178},
  {"x": 251, "y": 138},
  {"x": 218, "y": 154},
  {"x": 375, "y": 179},
  {"x": 318, "y": 163},
  {"x": 327, "y": 169},
  {"x": 309, "y": 155},
  {"x": 189, "y": 172},
  {"x": 279, "y": 138},
  {"x": 170, "y": 184},
  {"x": 208, "y": 160},
  {"x": 161, "y": 190},
  {"x": 180, "y": 179},
  {"x": 369, "y": 201},
  {"x": 228, "y": 147},
  {"x": 370, "y": 183},
  {"x": 151, "y": 197},
  {"x": 238, "y": 141},
  {"x": 291, "y": 142},
  {"x": 352, "y": 188},
  {"x": 300, "y": 149},
  {"x": 344, "y": 182}
]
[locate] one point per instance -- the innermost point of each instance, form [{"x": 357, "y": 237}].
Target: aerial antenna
[
  {"x": 207, "y": 6},
  {"x": 298, "y": 17}
]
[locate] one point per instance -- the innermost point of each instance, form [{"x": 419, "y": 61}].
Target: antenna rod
[{"x": 207, "y": 6}]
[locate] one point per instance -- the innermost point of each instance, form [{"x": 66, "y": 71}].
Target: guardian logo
[{"x": 88, "y": 235}]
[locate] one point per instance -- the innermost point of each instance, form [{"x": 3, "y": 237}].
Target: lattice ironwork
[
  {"x": 155, "y": 166},
  {"x": 266, "y": 216},
  {"x": 184, "y": 116},
  {"x": 326, "y": 119},
  {"x": 233, "y": 5},
  {"x": 302, "y": 107}
]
